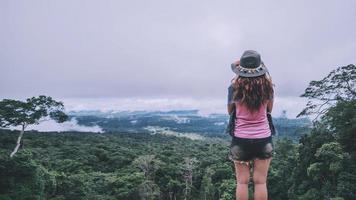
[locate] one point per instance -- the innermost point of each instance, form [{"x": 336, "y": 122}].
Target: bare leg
[
  {"x": 242, "y": 171},
  {"x": 260, "y": 178}
]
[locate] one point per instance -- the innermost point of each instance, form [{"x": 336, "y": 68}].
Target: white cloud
[{"x": 71, "y": 125}]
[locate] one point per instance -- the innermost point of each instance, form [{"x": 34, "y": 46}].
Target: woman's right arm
[{"x": 230, "y": 102}]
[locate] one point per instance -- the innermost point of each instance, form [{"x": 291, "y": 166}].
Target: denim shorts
[{"x": 247, "y": 149}]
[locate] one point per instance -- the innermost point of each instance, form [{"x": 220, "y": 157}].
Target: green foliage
[
  {"x": 342, "y": 121},
  {"x": 282, "y": 165},
  {"x": 24, "y": 178},
  {"x": 228, "y": 189},
  {"x": 346, "y": 186},
  {"x": 15, "y": 112},
  {"x": 322, "y": 163},
  {"x": 116, "y": 166}
]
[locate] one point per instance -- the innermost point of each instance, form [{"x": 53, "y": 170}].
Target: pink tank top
[{"x": 248, "y": 125}]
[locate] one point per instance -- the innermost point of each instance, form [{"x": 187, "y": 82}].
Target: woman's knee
[
  {"x": 242, "y": 179},
  {"x": 259, "y": 178}
]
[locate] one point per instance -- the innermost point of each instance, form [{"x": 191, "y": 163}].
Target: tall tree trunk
[
  {"x": 18, "y": 141},
  {"x": 186, "y": 190}
]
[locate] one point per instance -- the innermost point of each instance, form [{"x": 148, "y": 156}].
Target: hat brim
[{"x": 259, "y": 71}]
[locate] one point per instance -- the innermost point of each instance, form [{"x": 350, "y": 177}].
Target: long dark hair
[{"x": 253, "y": 91}]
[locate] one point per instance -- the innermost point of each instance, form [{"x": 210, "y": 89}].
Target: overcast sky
[{"x": 167, "y": 49}]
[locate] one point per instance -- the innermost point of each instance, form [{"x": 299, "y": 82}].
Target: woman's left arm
[
  {"x": 270, "y": 104},
  {"x": 230, "y": 108}
]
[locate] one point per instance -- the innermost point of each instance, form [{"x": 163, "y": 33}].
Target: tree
[
  {"x": 33, "y": 111},
  {"x": 339, "y": 85},
  {"x": 325, "y": 169},
  {"x": 207, "y": 186},
  {"x": 188, "y": 166},
  {"x": 149, "y": 164}
]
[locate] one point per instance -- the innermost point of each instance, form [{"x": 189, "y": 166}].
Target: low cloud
[{"x": 71, "y": 125}]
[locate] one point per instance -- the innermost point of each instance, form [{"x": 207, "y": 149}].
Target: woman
[{"x": 251, "y": 93}]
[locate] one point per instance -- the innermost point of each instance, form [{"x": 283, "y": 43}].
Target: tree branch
[{"x": 350, "y": 89}]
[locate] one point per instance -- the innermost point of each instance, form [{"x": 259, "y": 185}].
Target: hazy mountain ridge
[{"x": 182, "y": 121}]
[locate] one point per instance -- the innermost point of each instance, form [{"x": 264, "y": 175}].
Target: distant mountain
[{"x": 178, "y": 121}]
